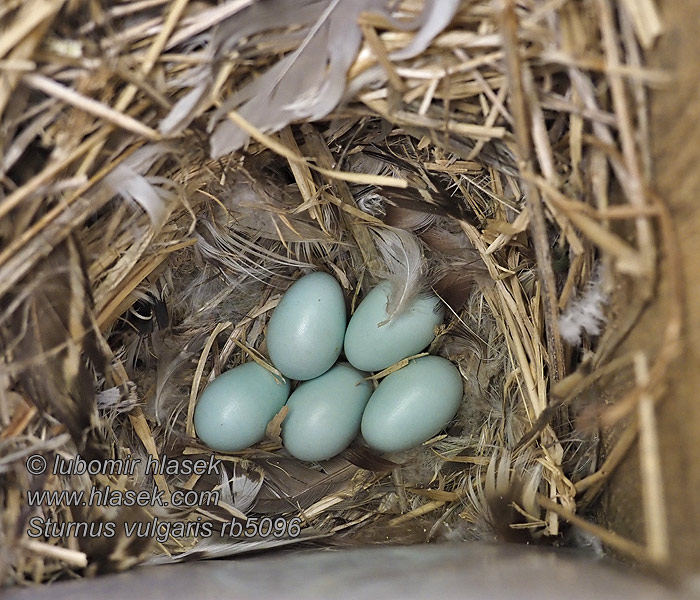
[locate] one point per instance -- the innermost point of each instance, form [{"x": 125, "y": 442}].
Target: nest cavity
[{"x": 169, "y": 168}]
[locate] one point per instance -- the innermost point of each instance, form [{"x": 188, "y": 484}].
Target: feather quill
[{"x": 404, "y": 267}]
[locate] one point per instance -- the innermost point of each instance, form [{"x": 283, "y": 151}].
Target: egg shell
[
  {"x": 412, "y": 404},
  {"x": 325, "y": 413},
  {"x": 234, "y": 409},
  {"x": 370, "y": 346},
  {"x": 306, "y": 330}
]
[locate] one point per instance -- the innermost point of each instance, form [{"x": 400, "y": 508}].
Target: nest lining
[{"x": 504, "y": 148}]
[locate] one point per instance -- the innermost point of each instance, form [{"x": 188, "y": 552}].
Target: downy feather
[
  {"x": 584, "y": 315},
  {"x": 170, "y": 362},
  {"x": 404, "y": 267},
  {"x": 243, "y": 257}
]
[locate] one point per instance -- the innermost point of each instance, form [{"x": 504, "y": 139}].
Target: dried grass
[{"x": 520, "y": 127}]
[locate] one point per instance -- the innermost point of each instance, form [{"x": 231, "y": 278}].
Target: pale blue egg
[
  {"x": 412, "y": 404},
  {"x": 234, "y": 409},
  {"x": 306, "y": 330},
  {"x": 325, "y": 413},
  {"x": 370, "y": 346}
]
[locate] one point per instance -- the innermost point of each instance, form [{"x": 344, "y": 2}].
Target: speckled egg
[
  {"x": 234, "y": 409},
  {"x": 306, "y": 330},
  {"x": 373, "y": 346},
  {"x": 412, "y": 404},
  {"x": 325, "y": 413}
]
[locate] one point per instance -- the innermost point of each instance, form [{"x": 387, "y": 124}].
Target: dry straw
[{"x": 508, "y": 141}]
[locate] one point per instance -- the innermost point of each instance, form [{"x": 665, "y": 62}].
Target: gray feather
[{"x": 306, "y": 84}]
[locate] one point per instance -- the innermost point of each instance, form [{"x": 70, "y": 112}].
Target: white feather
[
  {"x": 308, "y": 83},
  {"x": 404, "y": 267},
  {"x": 154, "y": 194},
  {"x": 241, "y": 490},
  {"x": 584, "y": 314},
  {"x": 236, "y": 21},
  {"x": 113, "y": 399}
]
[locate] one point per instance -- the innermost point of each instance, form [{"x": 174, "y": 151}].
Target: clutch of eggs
[{"x": 334, "y": 401}]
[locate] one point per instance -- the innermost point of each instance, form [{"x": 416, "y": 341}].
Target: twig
[
  {"x": 650, "y": 465},
  {"x": 610, "y": 538},
  {"x": 95, "y": 108},
  {"x": 74, "y": 558},
  {"x": 537, "y": 222}
]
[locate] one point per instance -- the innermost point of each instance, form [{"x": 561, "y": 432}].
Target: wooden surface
[
  {"x": 442, "y": 571},
  {"x": 675, "y": 114}
]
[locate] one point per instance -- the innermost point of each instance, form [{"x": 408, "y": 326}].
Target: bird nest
[{"x": 169, "y": 168}]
